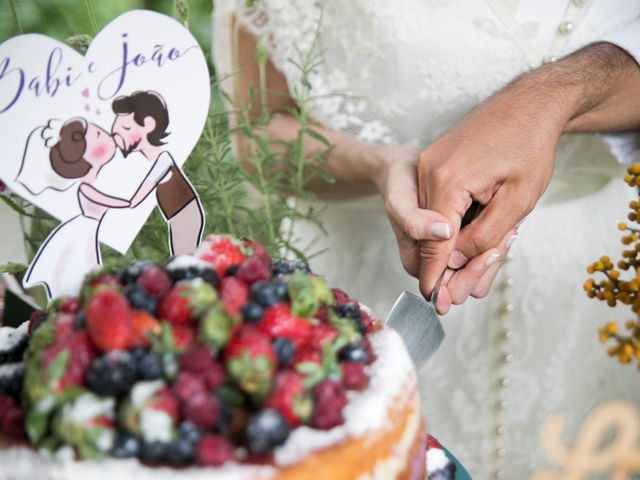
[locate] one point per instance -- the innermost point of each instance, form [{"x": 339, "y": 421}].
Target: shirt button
[{"x": 566, "y": 27}]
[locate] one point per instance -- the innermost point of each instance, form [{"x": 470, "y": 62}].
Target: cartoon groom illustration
[{"x": 141, "y": 125}]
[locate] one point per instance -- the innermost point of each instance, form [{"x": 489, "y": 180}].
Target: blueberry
[
  {"x": 232, "y": 270},
  {"x": 113, "y": 374},
  {"x": 203, "y": 272},
  {"x": 284, "y": 267},
  {"x": 130, "y": 273},
  {"x": 149, "y": 366},
  {"x": 189, "y": 431},
  {"x": 11, "y": 379},
  {"x": 284, "y": 350},
  {"x": 269, "y": 292},
  {"x": 266, "y": 430},
  {"x": 352, "y": 312},
  {"x": 252, "y": 312},
  {"x": 79, "y": 321},
  {"x": 125, "y": 446},
  {"x": 353, "y": 352},
  {"x": 180, "y": 452},
  {"x": 154, "y": 452},
  {"x": 139, "y": 299}
]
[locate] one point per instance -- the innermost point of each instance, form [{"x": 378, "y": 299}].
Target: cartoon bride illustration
[{"x": 77, "y": 150}]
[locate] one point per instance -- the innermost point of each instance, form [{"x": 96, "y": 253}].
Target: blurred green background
[{"x": 62, "y": 19}]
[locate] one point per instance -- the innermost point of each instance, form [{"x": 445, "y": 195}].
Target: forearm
[
  {"x": 595, "y": 89},
  {"x": 356, "y": 166}
]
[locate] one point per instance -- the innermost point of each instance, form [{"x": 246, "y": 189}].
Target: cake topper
[{"x": 97, "y": 140}]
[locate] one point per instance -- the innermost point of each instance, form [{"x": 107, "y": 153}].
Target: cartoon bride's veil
[{"x": 36, "y": 174}]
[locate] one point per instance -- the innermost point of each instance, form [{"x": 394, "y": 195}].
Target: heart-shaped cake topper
[{"x": 98, "y": 140}]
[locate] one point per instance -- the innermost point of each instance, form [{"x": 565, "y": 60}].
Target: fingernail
[
  {"x": 493, "y": 258},
  {"x": 441, "y": 231},
  {"x": 457, "y": 259},
  {"x": 510, "y": 241}
]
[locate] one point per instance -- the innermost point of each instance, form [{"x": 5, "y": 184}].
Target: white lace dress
[{"x": 406, "y": 71}]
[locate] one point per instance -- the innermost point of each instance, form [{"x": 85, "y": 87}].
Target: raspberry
[
  {"x": 13, "y": 423},
  {"x": 340, "y": 296},
  {"x": 321, "y": 334},
  {"x": 36, "y": 319},
  {"x": 329, "y": 400},
  {"x": 432, "y": 442},
  {"x": 353, "y": 375},
  {"x": 187, "y": 385},
  {"x": 70, "y": 305},
  {"x": 203, "y": 410},
  {"x": 234, "y": 294},
  {"x": 252, "y": 270},
  {"x": 214, "y": 377},
  {"x": 258, "y": 251},
  {"x": 197, "y": 360},
  {"x": 154, "y": 281},
  {"x": 213, "y": 451}
]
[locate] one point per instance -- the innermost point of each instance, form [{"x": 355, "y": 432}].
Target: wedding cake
[{"x": 224, "y": 365}]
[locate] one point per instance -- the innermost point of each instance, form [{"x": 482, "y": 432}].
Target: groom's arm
[{"x": 156, "y": 174}]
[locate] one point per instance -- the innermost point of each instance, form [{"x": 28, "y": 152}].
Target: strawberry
[
  {"x": 164, "y": 401},
  {"x": 81, "y": 355},
  {"x": 432, "y": 442},
  {"x": 221, "y": 252},
  {"x": 320, "y": 335},
  {"x": 278, "y": 321},
  {"x": 186, "y": 301},
  {"x": 144, "y": 325},
  {"x": 108, "y": 320},
  {"x": 184, "y": 336},
  {"x": 234, "y": 294},
  {"x": 254, "y": 269},
  {"x": 70, "y": 305},
  {"x": 307, "y": 353},
  {"x": 104, "y": 279},
  {"x": 257, "y": 250},
  {"x": 250, "y": 360},
  {"x": 290, "y": 398},
  {"x": 154, "y": 281}
]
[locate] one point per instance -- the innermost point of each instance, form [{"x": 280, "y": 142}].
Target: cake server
[{"x": 418, "y": 324}]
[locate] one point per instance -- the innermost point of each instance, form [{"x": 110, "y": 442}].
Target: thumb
[{"x": 434, "y": 256}]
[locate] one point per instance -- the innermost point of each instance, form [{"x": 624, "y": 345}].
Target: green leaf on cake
[
  {"x": 57, "y": 368},
  {"x": 308, "y": 294},
  {"x": 13, "y": 268},
  {"x": 37, "y": 424}
]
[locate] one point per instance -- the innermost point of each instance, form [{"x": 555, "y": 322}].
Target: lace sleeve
[{"x": 292, "y": 31}]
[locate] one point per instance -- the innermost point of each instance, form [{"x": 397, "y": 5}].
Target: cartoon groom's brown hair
[{"x": 142, "y": 105}]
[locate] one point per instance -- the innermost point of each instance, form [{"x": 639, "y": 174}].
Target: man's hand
[{"x": 502, "y": 154}]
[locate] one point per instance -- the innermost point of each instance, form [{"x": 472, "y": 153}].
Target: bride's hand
[{"x": 396, "y": 179}]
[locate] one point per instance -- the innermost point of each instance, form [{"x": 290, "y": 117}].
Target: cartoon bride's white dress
[
  {"x": 406, "y": 72},
  {"x": 72, "y": 246}
]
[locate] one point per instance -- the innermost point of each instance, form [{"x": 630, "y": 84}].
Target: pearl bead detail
[{"x": 566, "y": 27}]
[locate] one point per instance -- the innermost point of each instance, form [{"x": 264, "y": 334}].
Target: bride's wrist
[{"x": 376, "y": 160}]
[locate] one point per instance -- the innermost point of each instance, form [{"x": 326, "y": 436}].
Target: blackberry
[
  {"x": 13, "y": 343},
  {"x": 79, "y": 321},
  {"x": 154, "y": 452},
  {"x": 149, "y": 366},
  {"x": 139, "y": 299},
  {"x": 269, "y": 292},
  {"x": 266, "y": 430},
  {"x": 113, "y": 374},
  {"x": 284, "y": 267},
  {"x": 352, "y": 312},
  {"x": 252, "y": 312},
  {"x": 353, "y": 352},
  {"x": 181, "y": 451},
  {"x": 232, "y": 270},
  {"x": 11, "y": 379},
  {"x": 206, "y": 273},
  {"x": 130, "y": 273},
  {"x": 125, "y": 446},
  {"x": 284, "y": 350}
]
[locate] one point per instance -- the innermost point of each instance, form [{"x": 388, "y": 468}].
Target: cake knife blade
[{"x": 418, "y": 324}]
